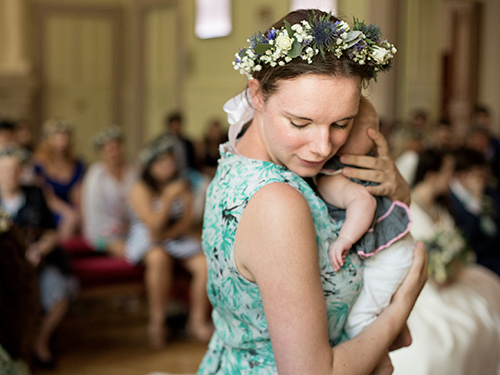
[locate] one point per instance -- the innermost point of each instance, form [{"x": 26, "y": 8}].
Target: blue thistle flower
[
  {"x": 257, "y": 39},
  {"x": 324, "y": 32},
  {"x": 371, "y": 31}
]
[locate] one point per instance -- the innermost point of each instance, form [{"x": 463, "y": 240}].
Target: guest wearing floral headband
[
  {"x": 28, "y": 209},
  {"x": 278, "y": 305},
  {"x": 105, "y": 190},
  {"x": 161, "y": 204},
  {"x": 59, "y": 173}
]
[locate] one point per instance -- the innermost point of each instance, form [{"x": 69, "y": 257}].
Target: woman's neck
[
  {"x": 115, "y": 169},
  {"x": 251, "y": 144}
]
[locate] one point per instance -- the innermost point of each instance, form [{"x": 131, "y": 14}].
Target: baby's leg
[{"x": 382, "y": 274}]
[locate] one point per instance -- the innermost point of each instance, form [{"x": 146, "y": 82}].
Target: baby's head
[{"x": 358, "y": 142}]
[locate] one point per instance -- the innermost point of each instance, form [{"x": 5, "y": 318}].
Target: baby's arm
[{"x": 360, "y": 208}]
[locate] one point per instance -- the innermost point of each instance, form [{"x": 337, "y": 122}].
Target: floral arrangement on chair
[{"x": 448, "y": 251}]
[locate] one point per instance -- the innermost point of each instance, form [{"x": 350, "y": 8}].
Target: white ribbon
[{"x": 239, "y": 111}]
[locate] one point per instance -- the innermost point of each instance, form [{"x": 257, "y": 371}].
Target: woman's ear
[{"x": 256, "y": 93}]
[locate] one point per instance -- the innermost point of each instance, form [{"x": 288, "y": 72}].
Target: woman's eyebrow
[
  {"x": 347, "y": 118},
  {"x": 288, "y": 114}
]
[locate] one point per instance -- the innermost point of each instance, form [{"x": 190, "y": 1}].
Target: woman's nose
[{"x": 321, "y": 143}]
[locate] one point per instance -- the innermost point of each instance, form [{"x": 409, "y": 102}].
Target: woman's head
[
  {"x": 12, "y": 159},
  {"x": 435, "y": 169},
  {"x": 158, "y": 163},
  {"x": 57, "y": 138},
  {"x": 306, "y": 75},
  {"x": 109, "y": 143}
]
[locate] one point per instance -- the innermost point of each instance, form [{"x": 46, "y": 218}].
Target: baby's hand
[{"x": 338, "y": 252}]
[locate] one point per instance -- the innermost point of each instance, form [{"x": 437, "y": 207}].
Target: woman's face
[
  {"x": 112, "y": 152},
  {"x": 60, "y": 141},
  {"x": 307, "y": 120},
  {"x": 10, "y": 173},
  {"x": 163, "y": 168}
]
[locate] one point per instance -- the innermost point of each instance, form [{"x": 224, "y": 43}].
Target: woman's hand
[
  {"x": 380, "y": 169},
  {"x": 407, "y": 293},
  {"x": 173, "y": 190}
]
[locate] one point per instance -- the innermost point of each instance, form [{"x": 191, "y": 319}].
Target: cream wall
[
  {"x": 197, "y": 77},
  {"x": 210, "y": 77}
]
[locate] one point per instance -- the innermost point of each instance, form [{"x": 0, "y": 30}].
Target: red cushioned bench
[{"x": 101, "y": 274}]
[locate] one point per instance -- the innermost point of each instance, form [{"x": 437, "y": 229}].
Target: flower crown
[
  {"x": 53, "y": 126},
  {"x": 113, "y": 132},
  {"x": 158, "y": 147},
  {"x": 320, "y": 35},
  {"x": 13, "y": 150}
]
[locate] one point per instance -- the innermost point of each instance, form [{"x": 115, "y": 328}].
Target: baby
[{"x": 371, "y": 224}]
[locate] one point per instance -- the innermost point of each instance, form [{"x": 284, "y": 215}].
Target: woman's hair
[
  {"x": 19, "y": 303},
  {"x": 44, "y": 152},
  {"x": 330, "y": 65},
  {"x": 430, "y": 160},
  {"x": 466, "y": 158},
  {"x": 149, "y": 179}
]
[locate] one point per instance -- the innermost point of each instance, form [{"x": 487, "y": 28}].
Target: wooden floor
[{"x": 109, "y": 337}]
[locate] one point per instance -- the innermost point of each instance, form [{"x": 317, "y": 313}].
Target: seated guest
[
  {"x": 161, "y": 204},
  {"x": 105, "y": 191},
  {"x": 455, "y": 324},
  {"x": 27, "y": 207},
  {"x": 208, "y": 148},
  {"x": 60, "y": 175},
  {"x": 19, "y": 306},
  {"x": 6, "y": 132},
  {"x": 476, "y": 206}
]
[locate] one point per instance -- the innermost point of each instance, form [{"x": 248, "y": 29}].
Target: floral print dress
[{"x": 241, "y": 342}]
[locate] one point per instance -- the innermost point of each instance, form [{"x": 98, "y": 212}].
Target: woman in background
[
  {"x": 160, "y": 232},
  {"x": 27, "y": 207},
  {"x": 60, "y": 174}
]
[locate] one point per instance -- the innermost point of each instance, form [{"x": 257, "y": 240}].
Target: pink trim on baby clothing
[{"x": 364, "y": 255}]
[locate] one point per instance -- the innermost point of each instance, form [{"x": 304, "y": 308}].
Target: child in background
[{"x": 371, "y": 224}]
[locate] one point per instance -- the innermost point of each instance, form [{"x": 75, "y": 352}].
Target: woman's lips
[{"x": 312, "y": 164}]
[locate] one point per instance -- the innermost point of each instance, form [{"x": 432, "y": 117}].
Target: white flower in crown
[
  {"x": 284, "y": 42},
  {"x": 380, "y": 54}
]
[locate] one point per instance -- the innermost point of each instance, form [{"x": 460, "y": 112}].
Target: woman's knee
[
  {"x": 157, "y": 257},
  {"x": 197, "y": 265}
]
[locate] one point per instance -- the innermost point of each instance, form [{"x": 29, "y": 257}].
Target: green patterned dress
[{"x": 241, "y": 342}]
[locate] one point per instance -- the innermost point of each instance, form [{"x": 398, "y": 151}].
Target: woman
[
  {"x": 60, "y": 175},
  {"x": 278, "y": 305},
  {"x": 456, "y": 327},
  {"x": 19, "y": 306},
  {"x": 161, "y": 222},
  {"x": 106, "y": 187},
  {"x": 27, "y": 207}
]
